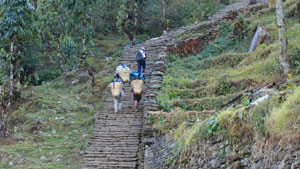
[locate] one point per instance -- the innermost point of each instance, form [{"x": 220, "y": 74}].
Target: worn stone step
[{"x": 111, "y": 165}]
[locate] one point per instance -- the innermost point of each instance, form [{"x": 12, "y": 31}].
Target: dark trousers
[{"x": 140, "y": 64}]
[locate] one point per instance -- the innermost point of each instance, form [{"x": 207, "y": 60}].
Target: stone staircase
[
  {"x": 115, "y": 140},
  {"x": 118, "y": 140}
]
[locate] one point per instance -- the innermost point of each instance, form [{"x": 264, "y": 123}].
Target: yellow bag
[
  {"x": 137, "y": 86},
  {"x": 124, "y": 75},
  {"x": 116, "y": 88}
]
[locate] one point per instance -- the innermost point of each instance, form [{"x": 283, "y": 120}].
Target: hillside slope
[
  {"x": 53, "y": 121},
  {"x": 212, "y": 114}
]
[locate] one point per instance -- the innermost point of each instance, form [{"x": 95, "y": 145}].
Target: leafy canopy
[{"x": 16, "y": 18}]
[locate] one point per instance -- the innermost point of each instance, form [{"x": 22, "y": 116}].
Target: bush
[
  {"x": 258, "y": 116},
  {"x": 285, "y": 120},
  {"x": 224, "y": 87},
  {"x": 294, "y": 59}
]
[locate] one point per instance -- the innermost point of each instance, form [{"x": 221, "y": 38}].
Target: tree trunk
[
  {"x": 11, "y": 75},
  {"x": 2, "y": 113},
  {"x": 282, "y": 37},
  {"x": 4, "y": 110},
  {"x": 18, "y": 75},
  {"x": 59, "y": 57},
  {"x": 164, "y": 20},
  {"x": 135, "y": 21},
  {"x": 84, "y": 56}
]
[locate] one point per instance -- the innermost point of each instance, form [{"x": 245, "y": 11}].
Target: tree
[
  {"x": 54, "y": 21},
  {"x": 82, "y": 10},
  {"x": 282, "y": 37},
  {"x": 128, "y": 19},
  {"x": 164, "y": 20},
  {"x": 15, "y": 23}
]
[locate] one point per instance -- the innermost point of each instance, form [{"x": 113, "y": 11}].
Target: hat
[{"x": 142, "y": 48}]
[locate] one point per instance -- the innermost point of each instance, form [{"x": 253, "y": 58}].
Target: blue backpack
[
  {"x": 140, "y": 56},
  {"x": 135, "y": 76}
]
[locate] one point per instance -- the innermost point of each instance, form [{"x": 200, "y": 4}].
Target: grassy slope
[
  {"x": 52, "y": 125},
  {"x": 208, "y": 81}
]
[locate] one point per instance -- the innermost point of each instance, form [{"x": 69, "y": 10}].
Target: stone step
[
  {"x": 111, "y": 165},
  {"x": 117, "y": 159}
]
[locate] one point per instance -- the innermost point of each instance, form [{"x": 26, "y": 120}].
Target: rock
[
  {"x": 44, "y": 133},
  {"x": 246, "y": 162},
  {"x": 43, "y": 157},
  {"x": 24, "y": 128},
  {"x": 68, "y": 79},
  {"x": 214, "y": 163},
  {"x": 295, "y": 165},
  {"x": 227, "y": 149},
  {"x": 74, "y": 81},
  {"x": 238, "y": 165},
  {"x": 148, "y": 141},
  {"x": 155, "y": 82},
  {"x": 162, "y": 69},
  {"x": 157, "y": 73},
  {"x": 282, "y": 165},
  {"x": 59, "y": 156},
  {"x": 259, "y": 37},
  {"x": 53, "y": 132},
  {"x": 252, "y": 2},
  {"x": 214, "y": 154},
  {"x": 159, "y": 63},
  {"x": 108, "y": 58},
  {"x": 256, "y": 102},
  {"x": 155, "y": 86},
  {"x": 83, "y": 77}
]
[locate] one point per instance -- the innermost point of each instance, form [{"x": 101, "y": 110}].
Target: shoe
[{"x": 135, "y": 110}]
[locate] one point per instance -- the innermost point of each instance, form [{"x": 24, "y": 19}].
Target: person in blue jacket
[
  {"x": 136, "y": 97},
  {"x": 141, "y": 60}
]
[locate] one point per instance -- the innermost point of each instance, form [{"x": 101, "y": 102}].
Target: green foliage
[
  {"x": 224, "y": 43},
  {"x": 167, "y": 121},
  {"x": 151, "y": 119},
  {"x": 213, "y": 126},
  {"x": 258, "y": 116},
  {"x": 224, "y": 87},
  {"x": 3, "y": 76},
  {"x": 294, "y": 58},
  {"x": 290, "y": 86},
  {"x": 16, "y": 19},
  {"x": 68, "y": 50},
  {"x": 246, "y": 101},
  {"x": 170, "y": 161}
]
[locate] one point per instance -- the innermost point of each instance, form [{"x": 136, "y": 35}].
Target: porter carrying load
[
  {"x": 116, "y": 88},
  {"x": 137, "y": 82},
  {"x": 123, "y": 71}
]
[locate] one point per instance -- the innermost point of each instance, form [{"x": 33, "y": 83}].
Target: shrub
[
  {"x": 223, "y": 86},
  {"x": 167, "y": 121},
  {"x": 285, "y": 120},
  {"x": 258, "y": 116},
  {"x": 294, "y": 59},
  {"x": 213, "y": 126}
]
